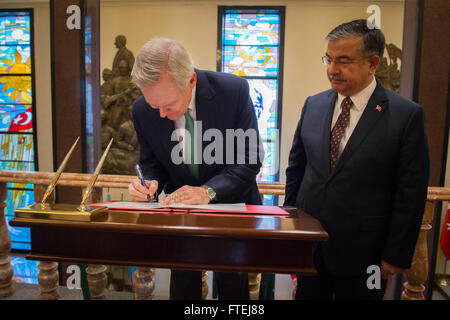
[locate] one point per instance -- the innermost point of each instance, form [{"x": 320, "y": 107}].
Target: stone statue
[
  {"x": 122, "y": 54},
  {"x": 124, "y": 153},
  {"x": 389, "y": 72},
  {"x": 126, "y": 137},
  {"x": 107, "y": 131},
  {"x": 106, "y": 87},
  {"x": 118, "y": 93}
]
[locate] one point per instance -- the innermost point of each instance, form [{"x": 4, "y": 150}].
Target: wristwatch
[{"x": 210, "y": 192}]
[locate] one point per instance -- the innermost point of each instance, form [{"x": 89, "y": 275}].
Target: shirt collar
[
  {"x": 361, "y": 98},
  {"x": 191, "y": 107}
]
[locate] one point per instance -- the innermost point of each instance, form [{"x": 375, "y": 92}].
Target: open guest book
[{"x": 195, "y": 208}]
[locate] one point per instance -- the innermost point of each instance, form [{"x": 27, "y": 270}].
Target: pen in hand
[{"x": 141, "y": 177}]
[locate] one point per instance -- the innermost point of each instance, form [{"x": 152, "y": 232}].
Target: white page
[{"x": 238, "y": 207}]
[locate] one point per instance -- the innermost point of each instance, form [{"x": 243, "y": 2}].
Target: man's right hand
[{"x": 139, "y": 193}]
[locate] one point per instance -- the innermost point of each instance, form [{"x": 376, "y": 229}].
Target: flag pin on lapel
[{"x": 378, "y": 108}]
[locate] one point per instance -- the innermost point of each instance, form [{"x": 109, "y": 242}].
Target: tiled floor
[
  {"x": 283, "y": 285},
  {"x": 27, "y": 271}
]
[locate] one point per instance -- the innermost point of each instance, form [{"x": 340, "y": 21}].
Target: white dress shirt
[
  {"x": 181, "y": 123},
  {"x": 360, "y": 101}
]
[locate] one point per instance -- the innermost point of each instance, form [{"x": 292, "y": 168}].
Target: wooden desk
[{"x": 186, "y": 241}]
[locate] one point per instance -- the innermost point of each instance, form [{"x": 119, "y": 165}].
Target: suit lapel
[
  {"x": 327, "y": 133},
  {"x": 375, "y": 108},
  {"x": 205, "y": 108}
]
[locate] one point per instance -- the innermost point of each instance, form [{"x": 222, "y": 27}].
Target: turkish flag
[
  {"x": 22, "y": 121},
  {"x": 445, "y": 237}
]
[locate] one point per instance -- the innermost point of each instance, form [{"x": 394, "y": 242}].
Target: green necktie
[{"x": 190, "y": 145}]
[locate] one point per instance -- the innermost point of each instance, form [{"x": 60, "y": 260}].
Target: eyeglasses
[{"x": 327, "y": 61}]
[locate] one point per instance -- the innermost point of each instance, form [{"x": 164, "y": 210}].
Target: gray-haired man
[{"x": 174, "y": 96}]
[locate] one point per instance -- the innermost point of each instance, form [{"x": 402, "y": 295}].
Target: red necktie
[{"x": 338, "y": 131}]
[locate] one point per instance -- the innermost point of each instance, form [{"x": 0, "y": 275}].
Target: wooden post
[
  {"x": 48, "y": 280},
  {"x": 6, "y": 270},
  {"x": 204, "y": 285},
  {"x": 254, "y": 281},
  {"x": 143, "y": 284},
  {"x": 48, "y": 270},
  {"x": 417, "y": 275},
  {"x": 97, "y": 279},
  {"x": 96, "y": 274}
]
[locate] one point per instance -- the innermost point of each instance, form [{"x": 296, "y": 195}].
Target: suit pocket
[{"x": 372, "y": 223}]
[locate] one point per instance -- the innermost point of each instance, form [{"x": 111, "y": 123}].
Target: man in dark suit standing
[
  {"x": 359, "y": 164},
  {"x": 181, "y": 110}
]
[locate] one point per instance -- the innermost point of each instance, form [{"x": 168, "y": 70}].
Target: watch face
[{"x": 211, "y": 193}]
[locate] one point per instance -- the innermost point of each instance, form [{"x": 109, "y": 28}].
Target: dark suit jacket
[
  {"x": 373, "y": 203},
  {"x": 222, "y": 102}
]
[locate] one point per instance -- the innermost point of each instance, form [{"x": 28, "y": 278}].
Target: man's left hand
[
  {"x": 187, "y": 195},
  {"x": 388, "y": 270}
]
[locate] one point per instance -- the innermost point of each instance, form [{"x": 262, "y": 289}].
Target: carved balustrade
[{"x": 143, "y": 278}]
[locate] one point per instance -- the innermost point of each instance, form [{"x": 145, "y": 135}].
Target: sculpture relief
[
  {"x": 388, "y": 72},
  {"x": 117, "y": 96}
]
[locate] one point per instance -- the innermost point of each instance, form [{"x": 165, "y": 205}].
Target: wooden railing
[{"x": 143, "y": 283}]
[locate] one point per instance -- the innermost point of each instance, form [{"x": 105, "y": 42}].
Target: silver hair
[{"x": 162, "y": 55}]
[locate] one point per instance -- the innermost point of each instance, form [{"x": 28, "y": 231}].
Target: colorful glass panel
[
  {"x": 251, "y": 48},
  {"x": 250, "y": 61},
  {"x": 264, "y": 94},
  {"x": 244, "y": 27},
  {"x": 25, "y": 270},
  {"x": 20, "y": 237},
  {"x": 15, "y": 59},
  {"x": 15, "y": 28},
  {"x": 16, "y": 120}
]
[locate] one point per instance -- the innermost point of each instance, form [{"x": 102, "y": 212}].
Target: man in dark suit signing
[
  {"x": 359, "y": 164},
  {"x": 189, "y": 123}
]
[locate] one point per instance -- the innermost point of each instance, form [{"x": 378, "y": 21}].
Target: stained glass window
[
  {"x": 251, "y": 43},
  {"x": 17, "y": 133}
]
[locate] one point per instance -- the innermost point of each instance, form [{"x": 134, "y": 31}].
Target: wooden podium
[{"x": 276, "y": 244}]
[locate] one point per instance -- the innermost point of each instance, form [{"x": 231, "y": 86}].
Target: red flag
[
  {"x": 22, "y": 121},
  {"x": 445, "y": 237}
]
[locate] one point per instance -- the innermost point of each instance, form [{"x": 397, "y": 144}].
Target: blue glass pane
[
  {"x": 17, "y": 147},
  {"x": 251, "y": 28},
  {"x": 264, "y": 94},
  {"x": 270, "y": 200},
  {"x": 270, "y": 164},
  {"x": 20, "y": 186},
  {"x": 20, "y": 237},
  {"x": 250, "y": 61},
  {"x": 15, "y": 59},
  {"x": 15, "y": 89},
  {"x": 16, "y": 166},
  {"x": 20, "y": 245},
  {"x": 25, "y": 270},
  {"x": 16, "y": 118},
  {"x": 18, "y": 198},
  {"x": 14, "y": 28}
]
